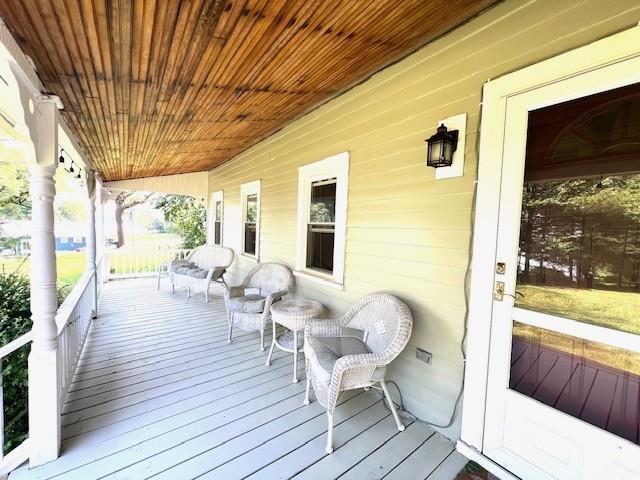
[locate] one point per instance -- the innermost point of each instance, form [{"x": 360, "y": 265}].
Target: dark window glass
[
  {"x": 250, "y": 224},
  {"x": 321, "y": 226},
  {"x": 579, "y": 258},
  {"x": 218, "y": 224}
]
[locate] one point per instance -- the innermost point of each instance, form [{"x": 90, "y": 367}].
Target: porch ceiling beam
[{"x": 143, "y": 81}]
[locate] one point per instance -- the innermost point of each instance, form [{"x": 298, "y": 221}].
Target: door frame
[{"x": 617, "y": 48}]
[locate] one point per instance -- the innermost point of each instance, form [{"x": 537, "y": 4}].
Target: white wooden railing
[
  {"x": 73, "y": 320},
  {"x": 20, "y": 453},
  {"x": 139, "y": 262}
]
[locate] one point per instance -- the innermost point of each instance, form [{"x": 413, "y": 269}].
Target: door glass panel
[
  {"x": 579, "y": 257},
  {"x": 579, "y": 253},
  {"x": 597, "y": 383}
]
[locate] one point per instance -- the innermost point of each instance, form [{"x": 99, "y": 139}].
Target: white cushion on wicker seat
[
  {"x": 324, "y": 352},
  {"x": 197, "y": 272},
  {"x": 247, "y": 304}
]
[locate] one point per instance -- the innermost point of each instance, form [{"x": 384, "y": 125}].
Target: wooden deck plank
[
  {"x": 279, "y": 456},
  {"x": 423, "y": 460},
  {"x": 449, "y": 468},
  {"x": 223, "y": 398},
  {"x": 177, "y": 372},
  {"x": 181, "y": 402},
  {"x": 390, "y": 455},
  {"x": 353, "y": 452}
]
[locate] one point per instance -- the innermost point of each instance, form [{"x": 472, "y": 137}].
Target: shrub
[{"x": 15, "y": 320}]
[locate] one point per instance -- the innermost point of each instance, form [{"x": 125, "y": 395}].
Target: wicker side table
[{"x": 294, "y": 315}]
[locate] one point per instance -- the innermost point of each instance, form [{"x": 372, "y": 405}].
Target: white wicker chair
[
  {"x": 353, "y": 351},
  {"x": 249, "y": 304}
]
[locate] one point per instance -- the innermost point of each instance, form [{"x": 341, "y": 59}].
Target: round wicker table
[{"x": 294, "y": 315}]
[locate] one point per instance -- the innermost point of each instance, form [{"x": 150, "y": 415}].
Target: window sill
[
  {"x": 318, "y": 279},
  {"x": 251, "y": 258}
]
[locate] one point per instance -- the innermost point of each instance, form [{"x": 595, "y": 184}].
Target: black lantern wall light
[{"x": 441, "y": 146}]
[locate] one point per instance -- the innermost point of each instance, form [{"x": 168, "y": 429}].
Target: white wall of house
[
  {"x": 408, "y": 233},
  {"x": 192, "y": 184}
]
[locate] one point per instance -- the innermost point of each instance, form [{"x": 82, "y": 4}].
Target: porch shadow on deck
[{"x": 159, "y": 393}]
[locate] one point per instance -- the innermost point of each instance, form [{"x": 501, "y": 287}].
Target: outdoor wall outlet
[{"x": 423, "y": 355}]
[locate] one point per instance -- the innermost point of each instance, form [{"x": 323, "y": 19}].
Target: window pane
[
  {"x": 579, "y": 253},
  {"x": 218, "y": 211},
  {"x": 252, "y": 208},
  {"x": 591, "y": 381},
  {"x": 323, "y": 201},
  {"x": 218, "y": 233},
  {"x": 250, "y": 238},
  {"x": 320, "y": 240}
]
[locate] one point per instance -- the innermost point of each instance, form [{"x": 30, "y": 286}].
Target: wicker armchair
[
  {"x": 354, "y": 351},
  {"x": 249, "y": 304}
]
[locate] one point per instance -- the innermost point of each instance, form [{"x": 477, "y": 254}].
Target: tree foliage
[
  {"x": 186, "y": 216},
  {"x": 14, "y": 192},
  {"x": 125, "y": 201},
  {"x": 584, "y": 232}
]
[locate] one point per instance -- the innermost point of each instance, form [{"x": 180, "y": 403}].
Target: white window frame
[
  {"x": 335, "y": 166},
  {"x": 247, "y": 189},
  {"x": 215, "y": 198}
]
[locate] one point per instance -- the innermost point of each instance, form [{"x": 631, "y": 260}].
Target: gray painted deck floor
[{"x": 160, "y": 394}]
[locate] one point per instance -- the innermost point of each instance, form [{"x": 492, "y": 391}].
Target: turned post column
[
  {"x": 44, "y": 369},
  {"x": 91, "y": 236}
]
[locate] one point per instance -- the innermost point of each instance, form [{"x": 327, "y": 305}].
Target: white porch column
[
  {"x": 91, "y": 235},
  {"x": 44, "y": 372}
]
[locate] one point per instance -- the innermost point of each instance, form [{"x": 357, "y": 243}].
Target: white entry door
[{"x": 563, "y": 389}]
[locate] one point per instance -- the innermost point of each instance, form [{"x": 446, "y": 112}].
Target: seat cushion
[
  {"x": 247, "y": 304},
  {"x": 178, "y": 264},
  {"x": 324, "y": 352},
  {"x": 183, "y": 270},
  {"x": 198, "y": 272}
]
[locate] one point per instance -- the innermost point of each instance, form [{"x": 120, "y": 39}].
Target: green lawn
[
  {"x": 617, "y": 310},
  {"x": 70, "y": 265}
]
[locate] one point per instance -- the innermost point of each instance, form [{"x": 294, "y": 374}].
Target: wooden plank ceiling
[{"x": 156, "y": 87}]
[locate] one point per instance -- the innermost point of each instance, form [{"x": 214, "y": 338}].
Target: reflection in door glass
[
  {"x": 579, "y": 258},
  {"x": 579, "y": 251},
  {"x": 591, "y": 381}
]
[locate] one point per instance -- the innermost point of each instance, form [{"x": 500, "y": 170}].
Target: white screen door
[{"x": 563, "y": 390}]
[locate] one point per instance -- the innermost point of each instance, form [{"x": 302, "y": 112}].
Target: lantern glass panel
[{"x": 434, "y": 153}]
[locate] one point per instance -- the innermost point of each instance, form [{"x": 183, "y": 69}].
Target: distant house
[{"x": 69, "y": 236}]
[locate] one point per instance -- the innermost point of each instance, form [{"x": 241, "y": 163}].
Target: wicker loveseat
[
  {"x": 249, "y": 304},
  {"x": 354, "y": 351},
  {"x": 205, "y": 264}
]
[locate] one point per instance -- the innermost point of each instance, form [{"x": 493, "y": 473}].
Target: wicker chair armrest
[
  {"x": 323, "y": 328},
  {"x": 231, "y": 292},
  {"x": 357, "y": 360},
  {"x": 277, "y": 296}
]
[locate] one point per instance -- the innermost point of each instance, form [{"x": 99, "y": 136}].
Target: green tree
[
  {"x": 14, "y": 192},
  {"x": 186, "y": 216}
]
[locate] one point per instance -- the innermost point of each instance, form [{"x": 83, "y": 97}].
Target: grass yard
[
  {"x": 70, "y": 265},
  {"x": 617, "y": 310}
]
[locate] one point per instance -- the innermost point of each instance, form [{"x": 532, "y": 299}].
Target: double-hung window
[
  {"x": 322, "y": 218},
  {"x": 218, "y": 209},
  {"x": 250, "y": 193}
]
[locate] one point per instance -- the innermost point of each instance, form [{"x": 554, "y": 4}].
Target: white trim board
[
  {"x": 333, "y": 166},
  {"x": 246, "y": 189}
]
